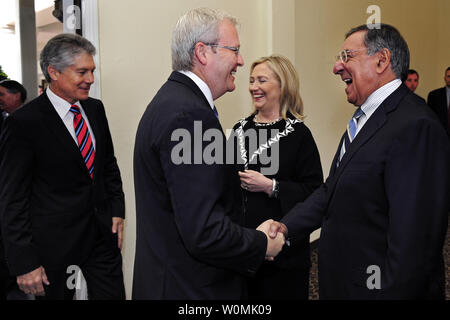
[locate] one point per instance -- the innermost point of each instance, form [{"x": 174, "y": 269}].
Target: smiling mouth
[
  {"x": 258, "y": 96},
  {"x": 348, "y": 81}
]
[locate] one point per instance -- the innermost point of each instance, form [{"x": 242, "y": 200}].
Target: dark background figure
[
  {"x": 412, "y": 80},
  {"x": 274, "y": 88},
  {"x": 61, "y": 197},
  {"x": 439, "y": 101},
  {"x": 384, "y": 207},
  {"x": 12, "y": 96}
]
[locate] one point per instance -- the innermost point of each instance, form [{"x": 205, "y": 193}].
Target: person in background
[
  {"x": 12, "y": 96},
  {"x": 278, "y": 107},
  {"x": 439, "y": 102},
  {"x": 412, "y": 80}
]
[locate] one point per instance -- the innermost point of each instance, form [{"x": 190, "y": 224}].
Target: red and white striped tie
[{"x": 84, "y": 139}]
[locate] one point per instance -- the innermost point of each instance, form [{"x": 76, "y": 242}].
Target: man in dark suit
[
  {"x": 61, "y": 197},
  {"x": 187, "y": 246},
  {"x": 12, "y": 97},
  {"x": 383, "y": 209},
  {"x": 439, "y": 101}
]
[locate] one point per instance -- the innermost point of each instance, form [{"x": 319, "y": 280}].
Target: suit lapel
[
  {"x": 62, "y": 136},
  {"x": 376, "y": 121},
  {"x": 179, "y": 77}
]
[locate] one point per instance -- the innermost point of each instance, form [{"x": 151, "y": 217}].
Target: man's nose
[
  {"x": 240, "y": 60},
  {"x": 89, "y": 78},
  {"x": 338, "y": 67}
]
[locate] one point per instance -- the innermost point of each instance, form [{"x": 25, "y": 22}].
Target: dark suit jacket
[
  {"x": 437, "y": 100},
  {"x": 385, "y": 205},
  {"x": 50, "y": 206},
  {"x": 187, "y": 246}
]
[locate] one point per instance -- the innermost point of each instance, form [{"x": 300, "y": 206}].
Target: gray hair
[
  {"x": 61, "y": 50},
  {"x": 390, "y": 38},
  {"x": 197, "y": 25}
]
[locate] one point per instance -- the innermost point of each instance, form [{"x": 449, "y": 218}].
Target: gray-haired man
[
  {"x": 187, "y": 245},
  {"x": 61, "y": 197}
]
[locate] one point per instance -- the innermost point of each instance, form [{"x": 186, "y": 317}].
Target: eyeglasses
[
  {"x": 345, "y": 54},
  {"x": 234, "y": 49}
]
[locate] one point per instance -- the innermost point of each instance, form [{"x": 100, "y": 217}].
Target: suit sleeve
[
  {"x": 307, "y": 216},
  {"x": 308, "y": 173},
  {"x": 16, "y": 176},
  {"x": 417, "y": 179},
  {"x": 113, "y": 182},
  {"x": 195, "y": 189}
]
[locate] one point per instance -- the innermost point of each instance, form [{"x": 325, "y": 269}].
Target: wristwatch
[{"x": 275, "y": 189}]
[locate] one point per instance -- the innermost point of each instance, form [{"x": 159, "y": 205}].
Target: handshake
[{"x": 275, "y": 232}]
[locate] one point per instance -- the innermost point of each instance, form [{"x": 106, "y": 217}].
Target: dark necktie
[
  {"x": 215, "y": 112},
  {"x": 84, "y": 139},
  {"x": 351, "y": 128}
]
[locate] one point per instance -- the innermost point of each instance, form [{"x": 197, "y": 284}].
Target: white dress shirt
[
  {"x": 371, "y": 104},
  {"x": 202, "y": 86},
  {"x": 62, "y": 107}
]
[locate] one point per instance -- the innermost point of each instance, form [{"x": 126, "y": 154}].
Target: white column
[
  {"x": 26, "y": 29},
  {"x": 90, "y": 32}
]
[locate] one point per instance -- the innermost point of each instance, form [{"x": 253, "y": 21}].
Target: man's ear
[
  {"x": 53, "y": 73},
  {"x": 200, "y": 52},
  {"x": 383, "y": 60}
]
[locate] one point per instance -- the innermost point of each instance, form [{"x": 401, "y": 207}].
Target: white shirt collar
[
  {"x": 61, "y": 106},
  {"x": 378, "y": 96},
  {"x": 202, "y": 86}
]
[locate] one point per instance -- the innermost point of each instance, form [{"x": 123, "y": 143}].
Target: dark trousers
[
  {"x": 7, "y": 282},
  {"x": 102, "y": 271},
  {"x": 271, "y": 282}
]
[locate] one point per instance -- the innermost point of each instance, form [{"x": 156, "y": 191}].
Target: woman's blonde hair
[{"x": 287, "y": 76}]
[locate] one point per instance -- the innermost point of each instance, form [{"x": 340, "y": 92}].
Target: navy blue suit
[
  {"x": 386, "y": 205},
  {"x": 187, "y": 246}
]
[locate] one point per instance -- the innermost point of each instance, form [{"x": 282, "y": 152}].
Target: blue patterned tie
[
  {"x": 353, "y": 125},
  {"x": 351, "y": 131}
]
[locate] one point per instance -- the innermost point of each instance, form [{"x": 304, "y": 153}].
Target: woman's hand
[{"x": 254, "y": 181}]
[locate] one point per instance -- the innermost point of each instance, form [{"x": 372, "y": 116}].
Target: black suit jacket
[
  {"x": 51, "y": 208},
  {"x": 386, "y": 205},
  {"x": 437, "y": 100},
  {"x": 187, "y": 246}
]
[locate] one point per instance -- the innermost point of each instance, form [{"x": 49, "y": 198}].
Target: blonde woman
[{"x": 278, "y": 115}]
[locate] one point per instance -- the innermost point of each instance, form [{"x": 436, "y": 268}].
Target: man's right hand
[
  {"x": 274, "y": 244},
  {"x": 276, "y": 227},
  {"x": 31, "y": 282}
]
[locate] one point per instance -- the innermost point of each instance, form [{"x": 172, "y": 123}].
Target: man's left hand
[{"x": 117, "y": 227}]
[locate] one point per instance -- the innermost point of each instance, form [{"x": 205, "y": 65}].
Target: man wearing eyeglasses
[
  {"x": 383, "y": 209},
  {"x": 187, "y": 246}
]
